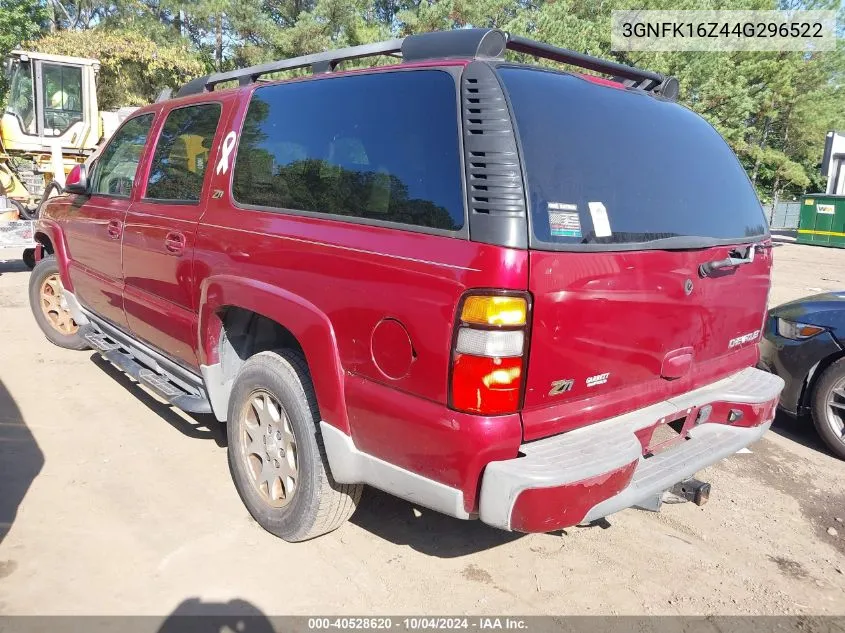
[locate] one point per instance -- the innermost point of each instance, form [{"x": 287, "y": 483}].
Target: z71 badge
[{"x": 561, "y": 386}]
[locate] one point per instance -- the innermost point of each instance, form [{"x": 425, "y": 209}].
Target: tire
[
  {"x": 823, "y": 418},
  {"x": 28, "y": 258},
  {"x": 315, "y": 504},
  {"x": 67, "y": 337}
]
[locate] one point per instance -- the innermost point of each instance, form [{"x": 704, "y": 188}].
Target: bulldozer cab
[
  {"x": 50, "y": 123},
  {"x": 52, "y": 99}
]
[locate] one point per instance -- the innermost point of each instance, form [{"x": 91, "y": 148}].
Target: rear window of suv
[
  {"x": 378, "y": 147},
  {"x": 606, "y": 166}
]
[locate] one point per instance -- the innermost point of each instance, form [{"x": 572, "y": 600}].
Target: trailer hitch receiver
[{"x": 692, "y": 490}]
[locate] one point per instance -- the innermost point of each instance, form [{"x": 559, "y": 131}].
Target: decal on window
[
  {"x": 228, "y": 147},
  {"x": 564, "y": 220},
  {"x": 601, "y": 223}
]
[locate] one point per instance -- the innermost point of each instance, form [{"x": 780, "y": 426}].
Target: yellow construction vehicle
[{"x": 50, "y": 123}]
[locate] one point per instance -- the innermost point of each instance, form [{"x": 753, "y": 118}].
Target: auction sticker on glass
[
  {"x": 601, "y": 223},
  {"x": 564, "y": 220},
  {"x": 713, "y": 30}
]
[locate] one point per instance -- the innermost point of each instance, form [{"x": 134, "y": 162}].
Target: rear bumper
[{"x": 600, "y": 469}]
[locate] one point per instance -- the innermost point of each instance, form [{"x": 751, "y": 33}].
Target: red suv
[{"x": 496, "y": 290}]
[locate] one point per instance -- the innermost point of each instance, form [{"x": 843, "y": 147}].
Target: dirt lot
[{"x": 113, "y": 503}]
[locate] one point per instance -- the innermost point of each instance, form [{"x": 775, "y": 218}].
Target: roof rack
[{"x": 461, "y": 43}]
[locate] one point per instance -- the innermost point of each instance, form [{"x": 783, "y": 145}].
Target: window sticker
[
  {"x": 601, "y": 223},
  {"x": 226, "y": 150},
  {"x": 826, "y": 209},
  {"x": 564, "y": 220}
]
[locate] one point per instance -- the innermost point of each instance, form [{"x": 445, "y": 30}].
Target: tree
[
  {"x": 134, "y": 69},
  {"x": 773, "y": 108},
  {"x": 19, "y": 21}
]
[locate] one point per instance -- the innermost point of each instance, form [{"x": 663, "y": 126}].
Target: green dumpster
[{"x": 822, "y": 220}]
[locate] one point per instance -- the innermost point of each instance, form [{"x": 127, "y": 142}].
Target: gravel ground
[{"x": 112, "y": 503}]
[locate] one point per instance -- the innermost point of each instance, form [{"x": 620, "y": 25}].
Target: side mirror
[{"x": 77, "y": 180}]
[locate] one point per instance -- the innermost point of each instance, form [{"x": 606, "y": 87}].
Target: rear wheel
[
  {"x": 46, "y": 298},
  {"x": 829, "y": 407},
  {"x": 276, "y": 453}
]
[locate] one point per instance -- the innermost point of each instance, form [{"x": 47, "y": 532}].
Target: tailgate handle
[
  {"x": 734, "y": 258},
  {"x": 676, "y": 363}
]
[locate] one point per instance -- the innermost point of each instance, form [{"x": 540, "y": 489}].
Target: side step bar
[{"x": 168, "y": 386}]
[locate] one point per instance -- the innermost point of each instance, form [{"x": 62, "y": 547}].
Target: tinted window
[
  {"x": 62, "y": 97},
  {"x": 654, "y": 168},
  {"x": 116, "y": 167},
  {"x": 21, "y": 100},
  {"x": 381, "y": 146},
  {"x": 181, "y": 155}
]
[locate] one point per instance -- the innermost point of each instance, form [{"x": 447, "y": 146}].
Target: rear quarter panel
[
  {"x": 357, "y": 276},
  {"x": 351, "y": 277}
]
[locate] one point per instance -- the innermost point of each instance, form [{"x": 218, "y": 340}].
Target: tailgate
[
  {"x": 629, "y": 196},
  {"x": 613, "y": 332}
]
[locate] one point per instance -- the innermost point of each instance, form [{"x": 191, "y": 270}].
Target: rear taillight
[{"x": 489, "y": 351}]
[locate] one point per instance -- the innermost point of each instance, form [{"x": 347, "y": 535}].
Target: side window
[
  {"x": 181, "y": 155},
  {"x": 116, "y": 167},
  {"x": 21, "y": 99},
  {"x": 382, "y": 146},
  {"x": 62, "y": 97}
]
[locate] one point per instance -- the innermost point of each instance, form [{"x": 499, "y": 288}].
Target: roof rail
[{"x": 460, "y": 43}]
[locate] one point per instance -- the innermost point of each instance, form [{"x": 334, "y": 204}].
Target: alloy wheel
[
  {"x": 269, "y": 449},
  {"x": 836, "y": 409},
  {"x": 54, "y": 306}
]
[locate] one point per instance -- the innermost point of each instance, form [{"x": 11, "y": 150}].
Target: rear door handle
[
  {"x": 174, "y": 242},
  {"x": 115, "y": 228},
  {"x": 734, "y": 258}
]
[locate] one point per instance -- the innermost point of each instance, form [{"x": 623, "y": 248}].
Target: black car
[{"x": 804, "y": 343}]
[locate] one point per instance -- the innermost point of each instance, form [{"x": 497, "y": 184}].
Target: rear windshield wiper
[{"x": 686, "y": 242}]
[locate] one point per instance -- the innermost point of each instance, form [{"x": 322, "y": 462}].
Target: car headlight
[{"x": 797, "y": 331}]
